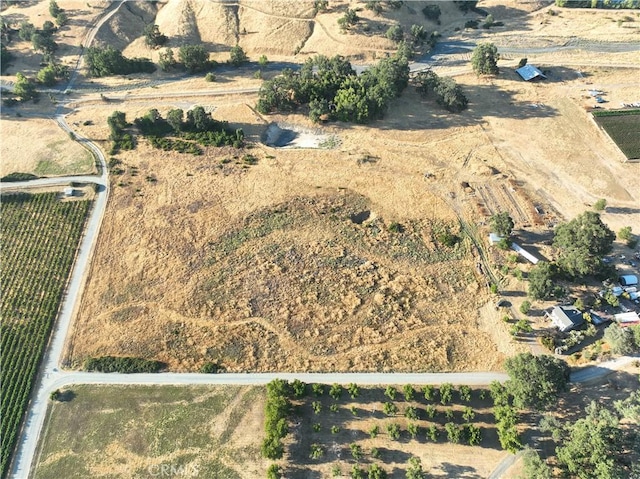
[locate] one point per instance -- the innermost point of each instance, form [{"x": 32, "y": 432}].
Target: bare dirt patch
[{"x": 292, "y": 136}]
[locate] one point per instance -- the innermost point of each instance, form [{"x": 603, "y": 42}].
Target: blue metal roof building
[{"x": 529, "y": 72}]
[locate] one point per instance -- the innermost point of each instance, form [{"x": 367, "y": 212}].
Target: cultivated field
[
  {"x": 624, "y": 129},
  {"x": 39, "y": 236},
  {"x": 139, "y": 432}
]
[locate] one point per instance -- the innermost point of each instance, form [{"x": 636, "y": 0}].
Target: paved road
[{"x": 61, "y": 379}]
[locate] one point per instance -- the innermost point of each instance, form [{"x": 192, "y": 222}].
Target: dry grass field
[
  {"x": 48, "y": 151},
  {"x": 139, "y": 432},
  {"x": 262, "y": 267}
]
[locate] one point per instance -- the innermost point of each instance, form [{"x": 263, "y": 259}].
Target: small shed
[
  {"x": 523, "y": 252},
  {"x": 529, "y": 72},
  {"x": 566, "y": 318},
  {"x": 628, "y": 280}
]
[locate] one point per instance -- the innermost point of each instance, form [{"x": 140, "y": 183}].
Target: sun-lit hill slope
[{"x": 276, "y": 28}]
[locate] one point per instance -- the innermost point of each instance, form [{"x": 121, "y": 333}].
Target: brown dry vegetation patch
[{"x": 39, "y": 146}]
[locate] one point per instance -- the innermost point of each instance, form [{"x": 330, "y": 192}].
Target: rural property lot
[
  {"x": 133, "y": 432},
  {"x": 363, "y": 256},
  {"x": 157, "y": 257}
]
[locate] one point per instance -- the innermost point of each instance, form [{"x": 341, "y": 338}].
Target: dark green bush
[{"x": 117, "y": 364}]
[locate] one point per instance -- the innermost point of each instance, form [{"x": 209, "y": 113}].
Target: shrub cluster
[
  {"x": 198, "y": 129},
  {"x": 446, "y": 91},
  {"x": 109, "y": 61},
  {"x": 116, "y": 364},
  {"x": 275, "y": 423},
  {"x": 332, "y": 90}
]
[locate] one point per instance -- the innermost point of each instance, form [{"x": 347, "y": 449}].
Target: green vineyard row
[{"x": 39, "y": 236}]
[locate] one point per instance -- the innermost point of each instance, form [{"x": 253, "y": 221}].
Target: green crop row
[{"x": 39, "y": 236}]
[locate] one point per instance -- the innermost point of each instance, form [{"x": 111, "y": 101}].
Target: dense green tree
[
  {"x": 629, "y": 408},
  {"x": 48, "y": 28},
  {"x": 25, "y": 31},
  {"x": 535, "y": 381},
  {"x": 193, "y": 57},
  {"x": 466, "y": 5},
  {"x": 506, "y": 426},
  {"x": 600, "y": 205},
  {"x": 43, "y": 43},
  {"x": 446, "y": 91},
  {"x": 502, "y": 224},
  {"x": 175, "y": 118},
  {"x": 5, "y": 57},
  {"x": 109, "y": 61},
  {"x": 593, "y": 445},
  {"x": 582, "y": 243},
  {"x": 237, "y": 56},
  {"x": 432, "y": 12},
  {"x": 395, "y": 33},
  {"x": 619, "y": 339},
  {"x": 54, "y": 9},
  {"x": 166, "y": 60},
  {"x": 541, "y": 284},
  {"x": 418, "y": 34},
  {"x": 484, "y": 59},
  {"x": 24, "y": 88},
  {"x": 61, "y": 19},
  {"x": 350, "y": 18},
  {"x": 375, "y": 6},
  {"x": 47, "y": 75},
  {"x": 198, "y": 119},
  {"x": 533, "y": 466},
  {"x": 153, "y": 37},
  {"x": 450, "y": 96}
]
